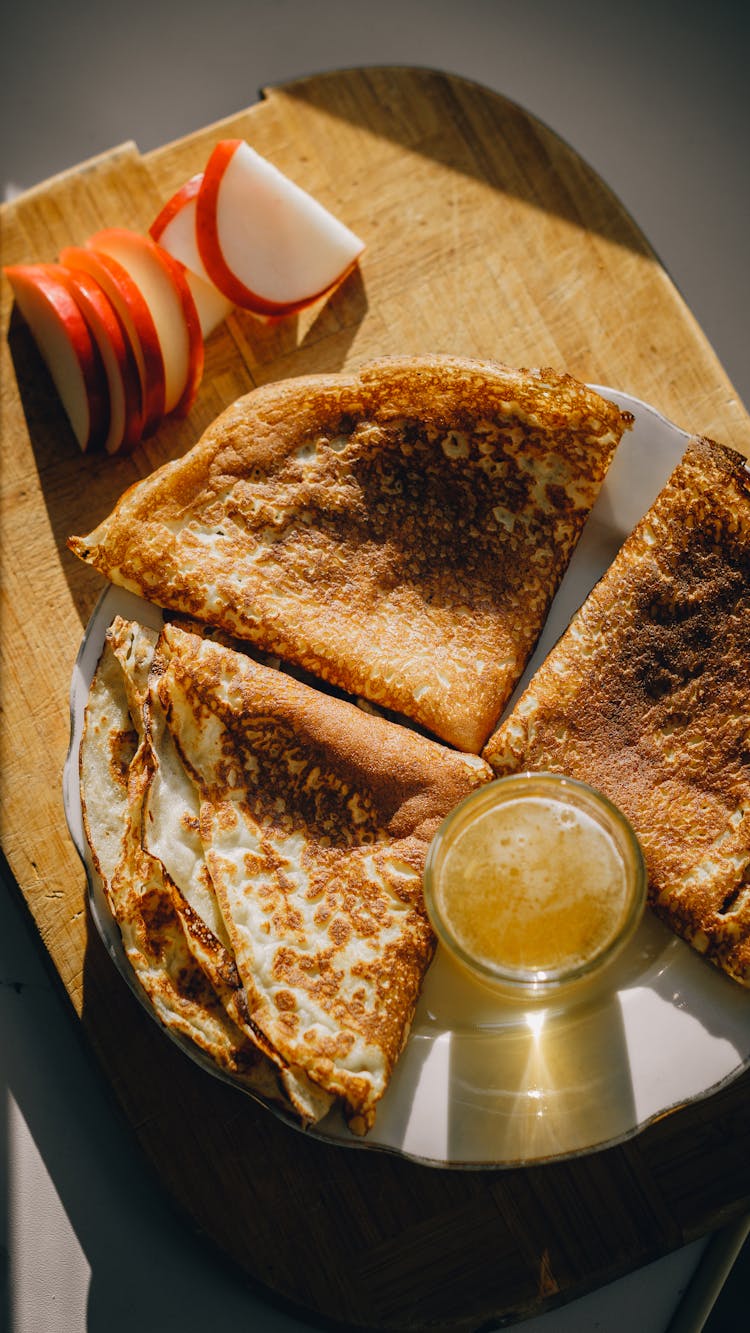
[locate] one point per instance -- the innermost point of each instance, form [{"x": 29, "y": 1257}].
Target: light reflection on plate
[{"x": 481, "y": 1081}]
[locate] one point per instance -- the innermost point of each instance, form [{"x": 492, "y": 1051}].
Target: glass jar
[{"x": 535, "y": 883}]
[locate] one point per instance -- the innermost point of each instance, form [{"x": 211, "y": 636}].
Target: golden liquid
[{"x": 533, "y": 884}]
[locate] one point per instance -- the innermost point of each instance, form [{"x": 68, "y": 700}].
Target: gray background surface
[
  {"x": 654, "y": 94},
  {"x": 656, "y": 97}
]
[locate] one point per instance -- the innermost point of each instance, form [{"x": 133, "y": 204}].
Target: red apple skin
[
  {"x": 104, "y": 324},
  {"x": 207, "y": 235},
  {"x": 136, "y": 316},
  {"x": 118, "y": 244},
  {"x": 212, "y": 306},
  {"x": 174, "y": 205},
  {"x": 39, "y": 285}
]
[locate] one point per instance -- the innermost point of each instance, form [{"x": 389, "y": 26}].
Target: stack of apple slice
[
  {"x": 121, "y": 320},
  {"x": 118, "y": 328}
]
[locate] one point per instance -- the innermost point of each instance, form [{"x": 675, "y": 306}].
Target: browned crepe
[
  {"x": 149, "y": 911},
  {"x": 315, "y": 818},
  {"x": 647, "y": 697},
  {"x": 399, "y": 532}
]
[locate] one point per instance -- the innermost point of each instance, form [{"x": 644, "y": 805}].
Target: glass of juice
[{"x": 535, "y": 883}]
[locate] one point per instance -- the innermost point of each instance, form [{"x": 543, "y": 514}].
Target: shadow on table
[
  {"x": 76, "y": 1193},
  {"x": 471, "y": 130}
]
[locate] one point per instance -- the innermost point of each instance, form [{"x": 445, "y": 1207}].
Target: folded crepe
[
  {"x": 398, "y": 532},
  {"x": 151, "y": 915},
  {"x": 647, "y": 697},
  {"x": 315, "y": 817},
  {"x": 262, "y": 845}
]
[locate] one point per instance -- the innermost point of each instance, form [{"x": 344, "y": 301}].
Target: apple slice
[
  {"x": 212, "y": 307},
  {"x": 174, "y": 231},
  {"x": 130, "y": 304},
  {"x": 67, "y": 347},
  {"x": 161, "y": 281},
  {"x": 265, "y": 243},
  {"x": 174, "y": 227},
  {"x": 126, "y": 416}
]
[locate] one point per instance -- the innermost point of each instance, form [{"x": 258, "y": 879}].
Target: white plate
[{"x": 481, "y": 1082}]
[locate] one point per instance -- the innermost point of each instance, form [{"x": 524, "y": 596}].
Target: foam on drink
[{"x": 533, "y": 884}]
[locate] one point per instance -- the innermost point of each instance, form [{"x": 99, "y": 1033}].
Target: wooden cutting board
[{"x": 486, "y": 236}]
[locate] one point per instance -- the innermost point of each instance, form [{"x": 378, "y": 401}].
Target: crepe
[
  {"x": 170, "y": 832},
  {"x": 114, "y": 777},
  {"x": 647, "y": 697},
  {"x": 399, "y": 532},
  {"x": 315, "y": 818}
]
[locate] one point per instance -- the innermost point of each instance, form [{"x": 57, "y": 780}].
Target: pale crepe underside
[
  {"x": 171, "y": 833},
  {"x": 151, "y": 917}
]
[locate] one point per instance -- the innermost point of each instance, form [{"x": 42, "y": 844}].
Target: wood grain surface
[{"x": 486, "y": 236}]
